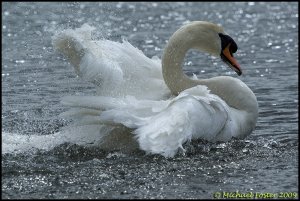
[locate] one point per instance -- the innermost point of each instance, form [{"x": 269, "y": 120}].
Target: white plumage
[
  {"x": 131, "y": 93},
  {"x": 118, "y": 69}
]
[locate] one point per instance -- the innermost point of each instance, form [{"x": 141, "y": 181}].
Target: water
[{"x": 35, "y": 77}]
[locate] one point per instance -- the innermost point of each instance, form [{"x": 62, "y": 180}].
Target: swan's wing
[
  {"x": 160, "y": 126},
  {"x": 118, "y": 69},
  {"x": 128, "y": 111},
  {"x": 185, "y": 118}
]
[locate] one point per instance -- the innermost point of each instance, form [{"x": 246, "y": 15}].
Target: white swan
[{"x": 139, "y": 101}]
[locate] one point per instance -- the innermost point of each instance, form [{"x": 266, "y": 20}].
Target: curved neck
[
  {"x": 179, "y": 43},
  {"x": 233, "y": 91},
  {"x": 172, "y": 60}
]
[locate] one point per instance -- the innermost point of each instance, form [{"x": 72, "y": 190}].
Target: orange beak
[{"x": 231, "y": 61}]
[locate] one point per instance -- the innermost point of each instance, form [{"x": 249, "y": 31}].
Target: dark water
[{"x": 35, "y": 77}]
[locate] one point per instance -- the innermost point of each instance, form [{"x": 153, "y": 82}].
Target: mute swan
[{"x": 152, "y": 102}]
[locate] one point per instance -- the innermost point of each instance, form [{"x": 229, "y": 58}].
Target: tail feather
[{"x": 92, "y": 102}]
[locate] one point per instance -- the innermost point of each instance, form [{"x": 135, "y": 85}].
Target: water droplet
[
  {"x": 154, "y": 4},
  {"x": 189, "y": 63},
  {"x": 38, "y": 33},
  {"x": 248, "y": 16},
  {"x": 148, "y": 41},
  {"x": 245, "y": 150},
  {"x": 20, "y": 61},
  {"x": 271, "y": 60},
  {"x": 221, "y": 146}
]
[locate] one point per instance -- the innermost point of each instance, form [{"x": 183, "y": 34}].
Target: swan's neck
[
  {"x": 181, "y": 41},
  {"x": 172, "y": 60},
  {"x": 233, "y": 91}
]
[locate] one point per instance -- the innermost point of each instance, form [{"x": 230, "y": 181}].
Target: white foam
[
  {"x": 18, "y": 143},
  {"x": 81, "y": 135}
]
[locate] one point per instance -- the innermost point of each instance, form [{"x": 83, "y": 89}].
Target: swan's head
[
  {"x": 211, "y": 38},
  {"x": 228, "y": 47}
]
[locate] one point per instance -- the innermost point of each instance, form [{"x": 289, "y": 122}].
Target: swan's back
[{"x": 117, "y": 69}]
